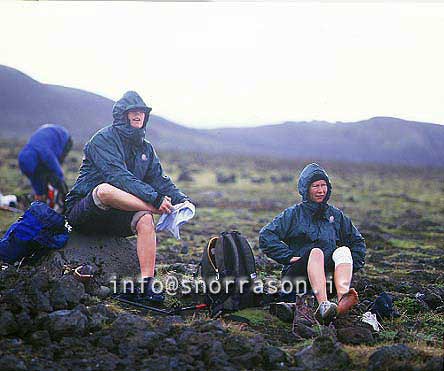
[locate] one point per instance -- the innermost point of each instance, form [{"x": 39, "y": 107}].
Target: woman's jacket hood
[
  {"x": 309, "y": 173},
  {"x": 130, "y": 100}
]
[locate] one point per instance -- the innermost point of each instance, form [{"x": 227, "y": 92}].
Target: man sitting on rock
[
  {"x": 121, "y": 185},
  {"x": 312, "y": 238}
]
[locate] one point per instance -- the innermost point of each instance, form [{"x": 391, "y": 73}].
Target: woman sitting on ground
[{"x": 313, "y": 238}]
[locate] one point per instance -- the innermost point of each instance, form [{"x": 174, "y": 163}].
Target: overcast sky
[{"x": 239, "y": 64}]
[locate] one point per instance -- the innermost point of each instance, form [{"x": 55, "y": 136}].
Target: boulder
[
  {"x": 8, "y": 325},
  {"x": 185, "y": 176},
  {"x": 112, "y": 256},
  {"x": 324, "y": 354},
  {"x": 67, "y": 323},
  {"x": 393, "y": 357},
  {"x": 67, "y": 292},
  {"x": 10, "y": 362},
  {"x": 355, "y": 335}
]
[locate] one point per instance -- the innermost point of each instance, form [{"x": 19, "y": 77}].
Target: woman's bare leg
[{"x": 316, "y": 274}]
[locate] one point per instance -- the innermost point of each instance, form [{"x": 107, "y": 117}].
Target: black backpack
[{"x": 226, "y": 260}]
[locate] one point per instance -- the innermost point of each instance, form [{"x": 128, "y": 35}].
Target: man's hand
[
  {"x": 294, "y": 259},
  {"x": 166, "y": 206}
]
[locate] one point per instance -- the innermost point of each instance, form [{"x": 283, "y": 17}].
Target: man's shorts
[{"x": 88, "y": 218}]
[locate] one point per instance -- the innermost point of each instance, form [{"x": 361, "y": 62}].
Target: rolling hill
[{"x": 26, "y": 103}]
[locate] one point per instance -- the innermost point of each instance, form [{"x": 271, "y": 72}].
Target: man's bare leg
[
  {"x": 347, "y": 297},
  {"x": 316, "y": 274},
  {"x": 146, "y": 245},
  {"x": 116, "y": 198}
]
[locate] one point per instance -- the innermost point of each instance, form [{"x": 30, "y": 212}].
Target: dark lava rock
[
  {"x": 274, "y": 356},
  {"x": 40, "y": 300},
  {"x": 16, "y": 299},
  {"x": 8, "y": 277},
  {"x": 127, "y": 324},
  {"x": 161, "y": 363},
  {"x": 97, "y": 321},
  {"x": 216, "y": 355},
  {"x": 393, "y": 357},
  {"x": 10, "y": 362},
  {"x": 111, "y": 255},
  {"x": 434, "y": 364},
  {"x": 185, "y": 176},
  {"x": 303, "y": 330},
  {"x": 433, "y": 300},
  {"x": 67, "y": 322},
  {"x": 67, "y": 292},
  {"x": 355, "y": 335},
  {"x": 184, "y": 249},
  {"x": 324, "y": 354},
  {"x": 40, "y": 338},
  {"x": 8, "y": 325},
  {"x": 148, "y": 340},
  {"x": 223, "y": 179},
  {"x": 24, "y": 322}
]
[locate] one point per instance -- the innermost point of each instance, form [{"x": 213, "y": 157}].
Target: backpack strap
[
  {"x": 220, "y": 259},
  {"x": 247, "y": 256},
  {"x": 232, "y": 251},
  {"x": 209, "y": 251}
]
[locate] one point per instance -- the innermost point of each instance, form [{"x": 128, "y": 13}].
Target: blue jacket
[
  {"x": 308, "y": 224},
  {"x": 44, "y": 149},
  {"x": 120, "y": 155}
]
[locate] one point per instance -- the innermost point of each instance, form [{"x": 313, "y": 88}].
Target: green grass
[{"x": 401, "y": 212}]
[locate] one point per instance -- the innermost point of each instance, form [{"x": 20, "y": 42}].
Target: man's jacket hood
[{"x": 130, "y": 100}]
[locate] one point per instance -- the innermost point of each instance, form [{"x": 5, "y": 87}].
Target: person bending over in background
[
  {"x": 313, "y": 238},
  {"x": 42, "y": 157},
  {"x": 121, "y": 185}
]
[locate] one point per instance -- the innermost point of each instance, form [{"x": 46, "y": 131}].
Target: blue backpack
[{"x": 38, "y": 228}]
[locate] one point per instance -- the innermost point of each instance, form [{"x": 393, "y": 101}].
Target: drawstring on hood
[
  {"x": 130, "y": 100},
  {"x": 312, "y": 173}
]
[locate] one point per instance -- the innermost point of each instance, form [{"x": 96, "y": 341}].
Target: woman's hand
[{"x": 294, "y": 259}]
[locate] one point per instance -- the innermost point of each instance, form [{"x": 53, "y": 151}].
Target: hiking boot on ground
[
  {"x": 143, "y": 292},
  {"x": 303, "y": 320},
  {"x": 283, "y": 311},
  {"x": 149, "y": 293},
  {"x": 326, "y": 312}
]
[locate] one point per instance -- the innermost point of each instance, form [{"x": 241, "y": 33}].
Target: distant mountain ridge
[{"x": 25, "y": 104}]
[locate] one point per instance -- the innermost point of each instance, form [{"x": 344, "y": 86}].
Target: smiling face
[
  {"x": 136, "y": 118},
  {"x": 318, "y": 191}
]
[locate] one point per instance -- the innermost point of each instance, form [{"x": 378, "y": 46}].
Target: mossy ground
[{"x": 400, "y": 212}]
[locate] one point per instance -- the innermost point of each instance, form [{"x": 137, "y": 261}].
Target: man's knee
[
  {"x": 103, "y": 193},
  {"x": 342, "y": 255},
  {"x": 145, "y": 224}
]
